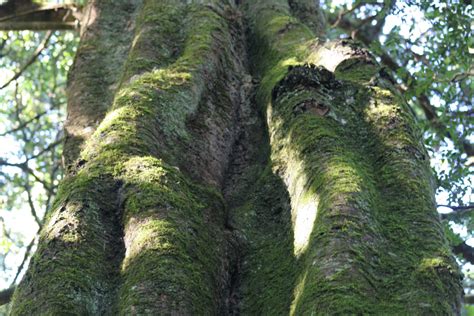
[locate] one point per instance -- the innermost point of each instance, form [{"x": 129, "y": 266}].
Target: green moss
[
  {"x": 356, "y": 69},
  {"x": 360, "y": 160},
  {"x": 340, "y": 171},
  {"x": 71, "y": 269},
  {"x": 269, "y": 267},
  {"x": 173, "y": 228},
  {"x": 155, "y": 103},
  {"x": 97, "y": 71},
  {"x": 158, "y": 40},
  {"x": 157, "y": 181},
  {"x": 181, "y": 236},
  {"x": 352, "y": 166},
  {"x": 169, "y": 246},
  {"x": 430, "y": 264}
]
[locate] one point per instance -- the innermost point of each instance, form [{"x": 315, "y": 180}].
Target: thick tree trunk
[{"x": 195, "y": 190}]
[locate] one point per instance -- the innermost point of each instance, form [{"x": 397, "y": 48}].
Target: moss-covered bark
[
  {"x": 106, "y": 34},
  {"x": 201, "y": 192},
  {"x": 366, "y": 233},
  {"x": 142, "y": 210}
]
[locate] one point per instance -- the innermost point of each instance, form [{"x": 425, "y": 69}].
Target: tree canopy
[{"x": 426, "y": 48}]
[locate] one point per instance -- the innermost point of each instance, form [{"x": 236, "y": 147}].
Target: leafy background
[{"x": 427, "y": 46}]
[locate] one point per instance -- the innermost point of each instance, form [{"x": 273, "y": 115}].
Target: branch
[
  {"x": 4, "y": 229},
  {"x": 45, "y": 17},
  {"x": 10, "y": 164},
  {"x": 38, "y": 26},
  {"x": 23, "y": 124},
  {"x": 462, "y": 76},
  {"x": 465, "y": 250},
  {"x": 48, "y": 148},
  {"x": 458, "y": 208},
  {"x": 341, "y": 14},
  {"x": 423, "y": 99},
  {"x": 32, "y": 59},
  {"x": 46, "y": 7},
  {"x": 468, "y": 148},
  {"x": 464, "y": 113},
  {"x": 6, "y": 295},
  {"x": 25, "y": 258},
  {"x": 366, "y": 26},
  {"x": 458, "y": 211},
  {"x": 25, "y": 168},
  {"x": 469, "y": 299},
  {"x": 32, "y": 204}
]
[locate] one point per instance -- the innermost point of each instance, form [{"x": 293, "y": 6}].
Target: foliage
[{"x": 32, "y": 112}]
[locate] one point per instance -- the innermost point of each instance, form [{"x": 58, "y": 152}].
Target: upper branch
[
  {"x": 409, "y": 80},
  {"x": 6, "y": 295},
  {"x": 44, "y": 17},
  {"x": 39, "y": 49}
]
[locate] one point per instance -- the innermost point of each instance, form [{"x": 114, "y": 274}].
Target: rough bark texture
[{"x": 230, "y": 162}]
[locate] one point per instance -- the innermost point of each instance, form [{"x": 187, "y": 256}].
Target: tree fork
[{"x": 178, "y": 202}]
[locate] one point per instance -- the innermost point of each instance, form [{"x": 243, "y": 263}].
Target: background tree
[{"x": 245, "y": 158}]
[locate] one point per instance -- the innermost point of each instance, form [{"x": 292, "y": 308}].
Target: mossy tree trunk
[{"x": 222, "y": 159}]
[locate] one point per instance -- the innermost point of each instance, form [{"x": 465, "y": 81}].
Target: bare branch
[
  {"x": 45, "y": 7},
  {"x": 10, "y": 164},
  {"x": 39, "y": 49},
  {"x": 465, "y": 250},
  {"x": 6, "y": 295},
  {"x": 24, "y": 167},
  {"x": 44, "y": 17},
  {"x": 468, "y": 299},
  {"x": 458, "y": 208},
  {"x": 48, "y": 148},
  {"x": 341, "y": 14},
  {"x": 38, "y": 26},
  {"x": 25, "y": 258},
  {"x": 31, "y": 203},
  {"x": 23, "y": 124},
  {"x": 458, "y": 211}
]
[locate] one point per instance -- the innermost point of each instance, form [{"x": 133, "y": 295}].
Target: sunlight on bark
[{"x": 305, "y": 209}]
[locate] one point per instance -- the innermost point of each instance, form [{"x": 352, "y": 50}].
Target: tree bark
[{"x": 230, "y": 162}]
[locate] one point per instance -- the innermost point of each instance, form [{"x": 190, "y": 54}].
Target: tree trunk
[{"x": 223, "y": 160}]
